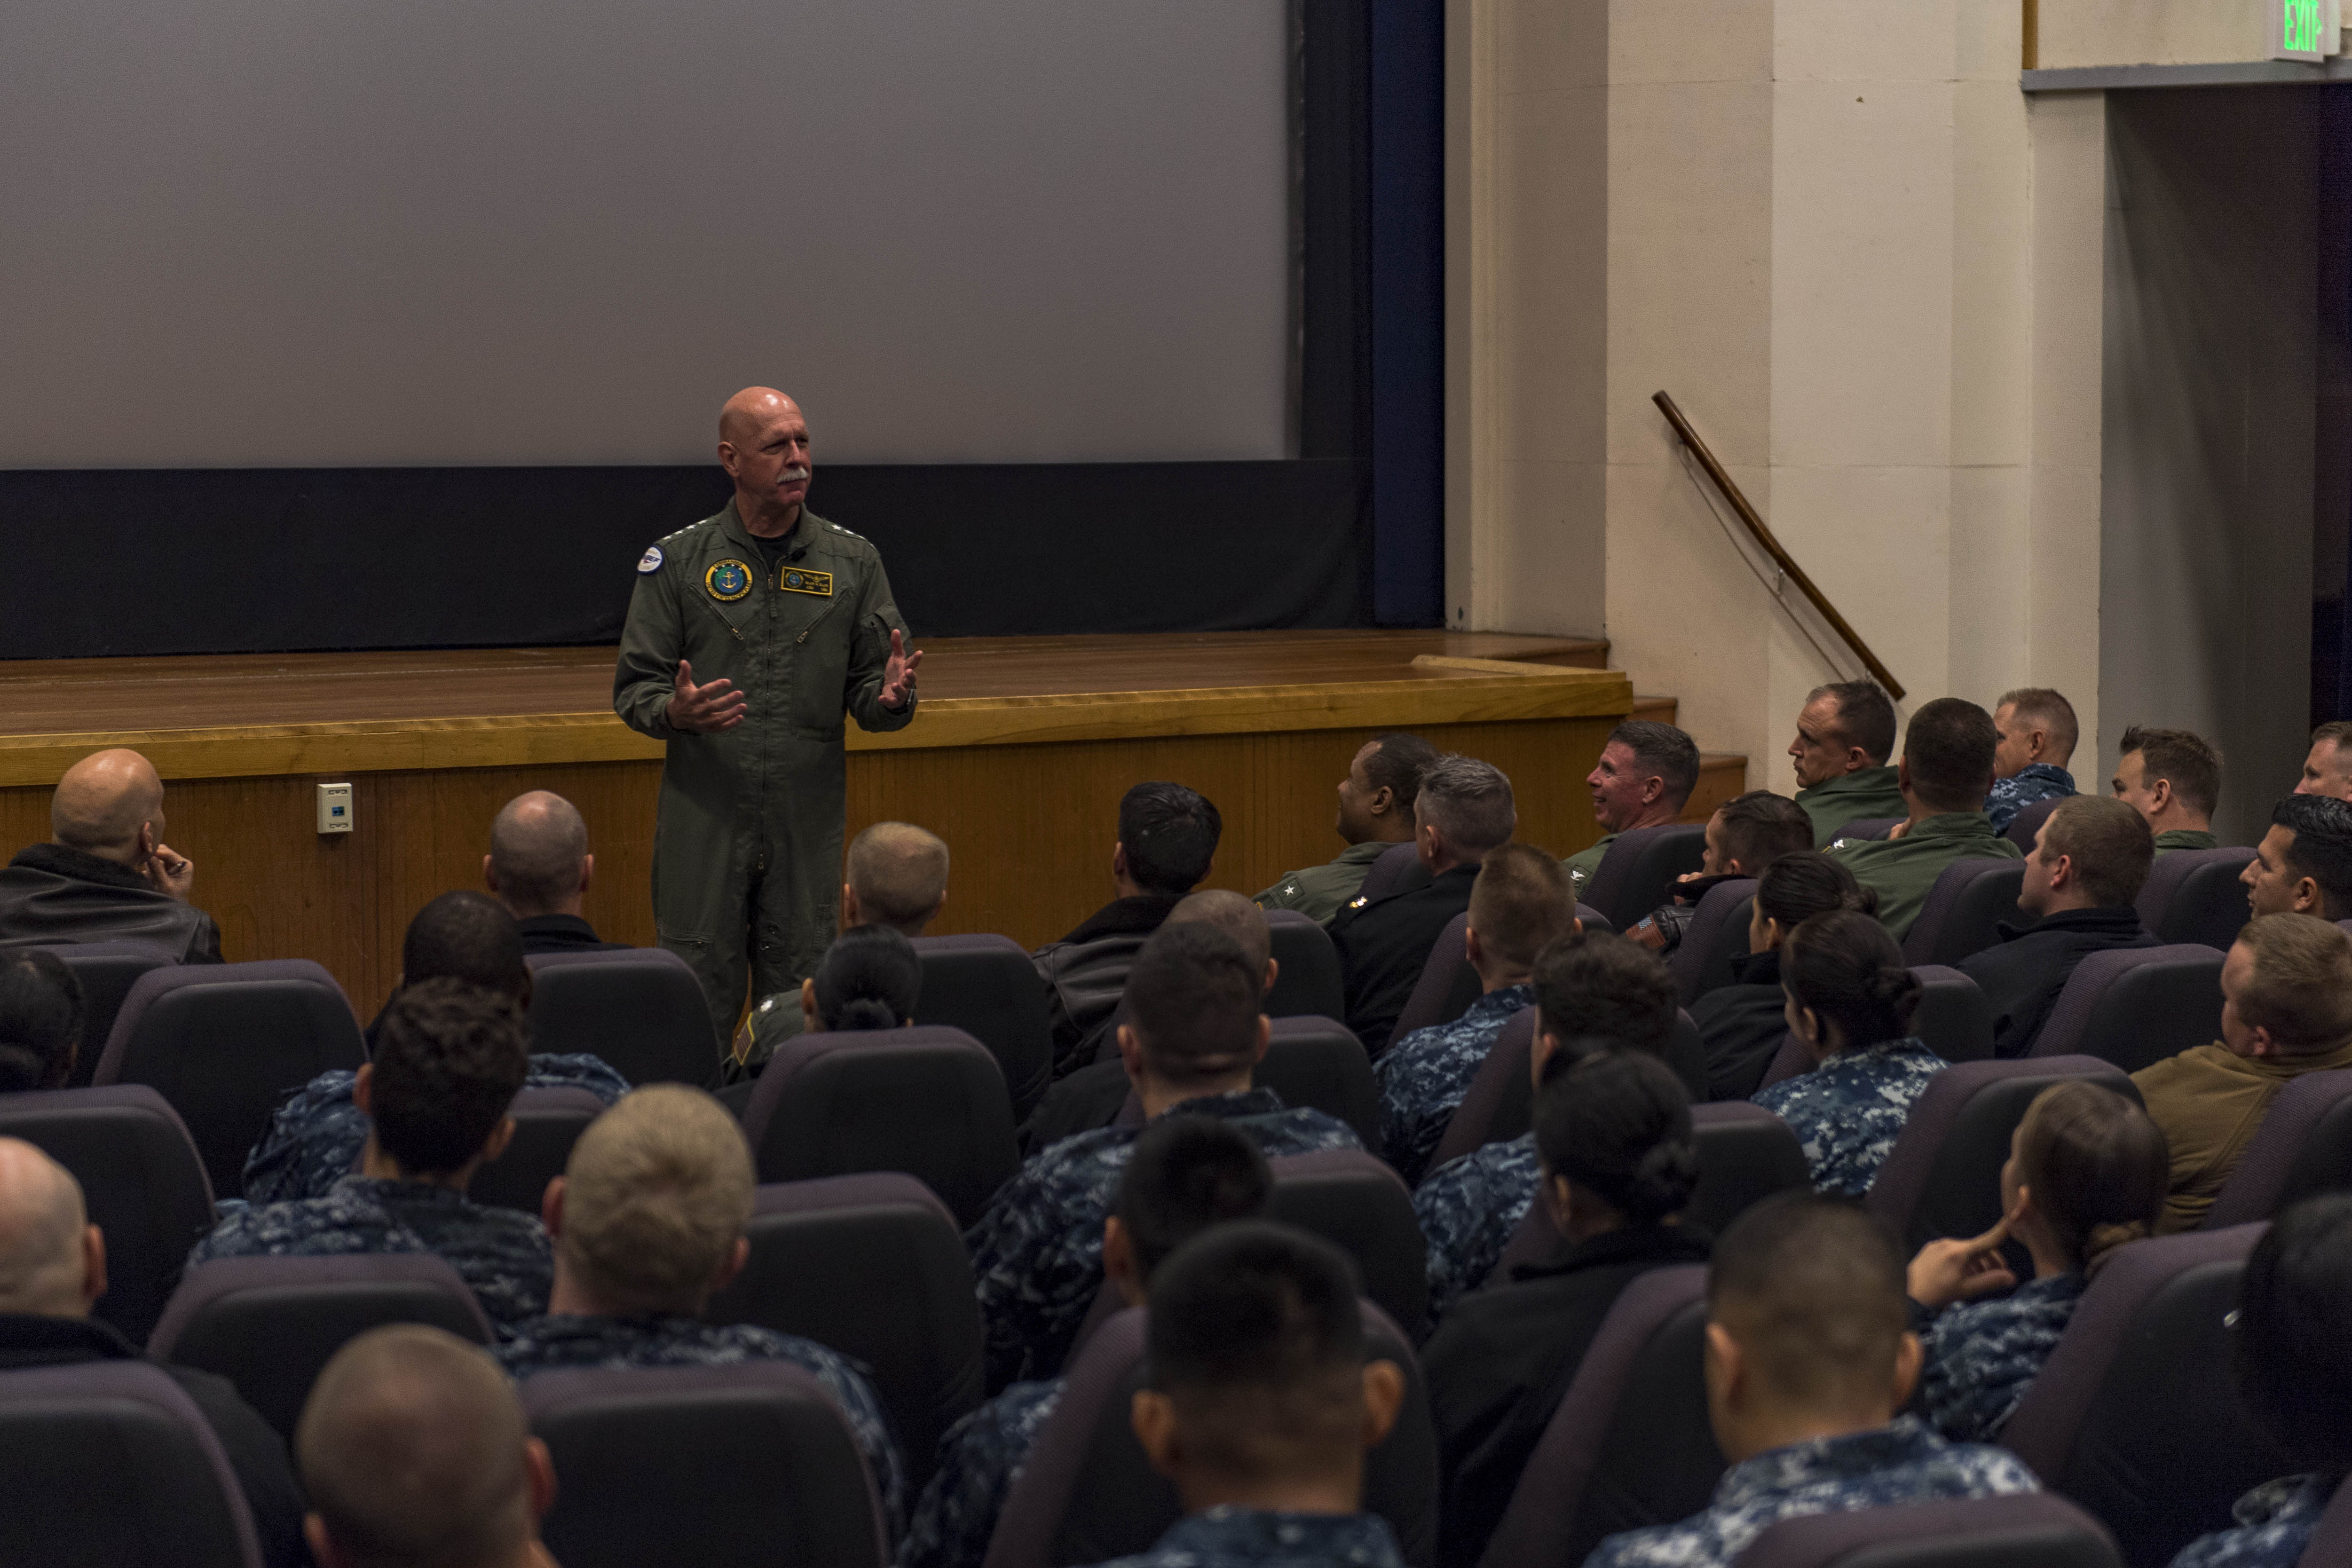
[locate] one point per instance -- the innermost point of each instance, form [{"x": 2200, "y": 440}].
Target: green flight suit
[
  {"x": 1850, "y": 797},
  {"x": 2186, "y": 839},
  {"x": 1904, "y": 869},
  {"x": 747, "y": 847},
  {"x": 1580, "y": 865},
  {"x": 1317, "y": 892}
]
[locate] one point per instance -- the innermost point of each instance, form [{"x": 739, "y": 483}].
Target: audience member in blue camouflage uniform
[
  {"x": 1850, "y": 1001},
  {"x": 648, "y": 1221},
  {"x": 1187, "y": 1174},
  {"x": 315, "y": 1137},
  {"x": 1193, "y": 1040},
  {"x": 1260, "y": 1405},
  {"x": 2037, "y": 732},
  {"x": 449, "y": 1061},
  {"x": 2294, "y": 1355},
  {"x": 2086, "y": 1173},
  {"x": 1806, "y": 1334},
  {"x": 1518, "y": 906},
  {"x": 1590, "y": 987}
]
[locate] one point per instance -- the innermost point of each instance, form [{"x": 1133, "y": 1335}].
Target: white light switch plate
[{"x": 334, "y": 808}]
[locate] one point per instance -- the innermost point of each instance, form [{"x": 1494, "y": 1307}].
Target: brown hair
[
  {"x": 2301, "y": 989},
  {"x": 1847, "y": 969},
  {"x": 1949, "y": 748},
  {"x": 1865, "y": 718},
  {"x": 1519, "y": 903},
  {"x": 1811, "y": 1289},
  {"x": 2045, "y": 707},
  {"x": 2111, "y": 845},
  {"x": 2097, "y": 1167},
  {"x": 1664, "y": 752},
  {"x": 1759, "y": 827},
  {"x": 2188, "y": 762}
]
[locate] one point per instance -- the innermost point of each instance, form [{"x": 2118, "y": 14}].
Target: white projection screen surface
[{"x": 352, "y": 232}]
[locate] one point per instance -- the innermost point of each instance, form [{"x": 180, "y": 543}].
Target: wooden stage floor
[{"x": 1018, "y": 756}]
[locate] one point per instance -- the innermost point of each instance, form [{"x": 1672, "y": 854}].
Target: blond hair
[
  {"x": 1519, "y": 904},
  {"x": 656, "y": 1194}
]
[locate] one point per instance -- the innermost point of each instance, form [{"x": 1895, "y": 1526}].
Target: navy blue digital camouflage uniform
[
  {"x": 2034, "y": 781},
  {"x": 316, "y": 1135},
  {"x": 565, "y": 1342},
  {"x": 2275, "y": 1521},
  {"x": 1897, "y": 1463},
  {"x": 1848, "y": 1111},
  {"x": 1981, "y": 1356},
  {"x": 1468, "y": 1209},
  {"x": 980, "y": 1459},
  {"x": 502, "y": 1254},
  {"x": 1425, "y": 1076},
  {"x": 1038, "y": 1251},
  {"x": 1253, "y": 1538}
]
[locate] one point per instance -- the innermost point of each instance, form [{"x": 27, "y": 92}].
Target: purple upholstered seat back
[
  {"x": 1638, "y": 871},
  {"x": 1447, "y": 986},
  {"x": 638, "y": 1009},
  {"x": 2031, "y": 1530},
  {"x": 2303, "y": 1146},
  {"x": 986, "y": 986},
  {"x": 2136, "y": 1006},
  {"x": 1715, "y": 939},
  {"x": 2194, "y": 895},
  {"x": 1970, "y": 899}
]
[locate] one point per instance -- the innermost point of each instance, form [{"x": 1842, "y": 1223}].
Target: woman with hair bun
[
  {"x": 2087, "y": 1172},
  {"x": 869, "y": 981},
  {"x": 1741, "y": 1026},
  {"x": 40, "y": 1020},
  {"x": 1850, "y": 1000},
  {"x": 1620, "y": 1162}
]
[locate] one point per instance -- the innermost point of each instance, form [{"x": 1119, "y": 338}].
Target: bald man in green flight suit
[{"x": 750, "y": 635}]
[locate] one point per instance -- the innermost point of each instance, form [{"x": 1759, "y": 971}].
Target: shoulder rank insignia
[
  {"x": 730, "y": 580},
  {"x": 1357, "y": 903},
  {"x": 651, "y": 560},
  {"x": 798, "y": 580}
]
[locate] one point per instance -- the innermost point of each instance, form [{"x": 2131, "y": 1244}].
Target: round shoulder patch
[{"x": 651, "y": 560}]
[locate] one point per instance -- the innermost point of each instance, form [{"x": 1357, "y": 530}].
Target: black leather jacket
[{"x": 50, "y": 894}]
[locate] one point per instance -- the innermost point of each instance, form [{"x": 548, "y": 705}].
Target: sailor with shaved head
[
  {"x": 106, "y": 874},
  {"x": 53, "y": 1272},
  {"x": 539, "y": 866},
  {"x": 750, "y": 636},
  {"x": 415, "y": 1454}
]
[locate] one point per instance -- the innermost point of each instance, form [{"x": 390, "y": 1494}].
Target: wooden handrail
[{"x": 1780, "y": 557}]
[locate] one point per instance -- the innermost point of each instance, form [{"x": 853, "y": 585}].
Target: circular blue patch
[{"x": 729, "y": 579}]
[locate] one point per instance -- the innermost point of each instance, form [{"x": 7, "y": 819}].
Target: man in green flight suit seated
[
  {"x": 1375, "y": 816},
  {"x": 1644, "y": 778},
  {"x": 750, "y": 635},
  {"x": 1845, "y": 732},
  {"x": 1946, "y": 770},
  {"x": 2174, "y": 779}
]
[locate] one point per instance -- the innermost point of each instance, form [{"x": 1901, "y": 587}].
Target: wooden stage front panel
[{"x": 1018, "y": 758}]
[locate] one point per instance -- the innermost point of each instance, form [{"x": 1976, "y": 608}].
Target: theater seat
[
  {"x": 721, "y": 1467},
  {"x": 111, "y": 1462},
  {"x": 1447, "y": 986},
  {"x": 2136, "y": 1415},
  {"x": 640, "y": 1010},
  {"x": 2026, "y": 826},
  {"x": 141, "y": 1181},
  {"x": 1500, "y": 1103},
  {"x": 2331, "y": 1544},
  {"x": 2136, "y": 1006},
  {"x": 1954, "y": 1020},
  {"x": 874, "y": 1267},
  {"x": 1399, "y": 869},
  {"x": 1943, "y": 1175},
  {"x": 107, "y": 971},
  {"x": 1746, "y": 1154},
  {"x": 271, "y": 1325},
  {"x": 223, "y": 1041},
  {"x": 1714, "y": 940},
  {"x": 2194, "y": 895},
  {"x": 2303, "y": 1146},
  {"x": 987, "y": 987},
  {"x": 928, "y": 1101},
  {"x": 1307, "y": 982},
  {"x": 1970, "y": 898},
  {"x": 1630, "y": 1445},
  {"x": 1866, "y": 829},
  {"x": 1087, "y": 1495},
  {"x": 2034, "y": 1529},
  {"x": 548, "y": 1122},
  {"x": 1638, "y": 872},
  {"x": 1320, "y": 1062},
  {"x": 1353, "y": 1201}
]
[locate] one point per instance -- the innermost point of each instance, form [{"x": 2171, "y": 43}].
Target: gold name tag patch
[{"x": 796, "y": 581}]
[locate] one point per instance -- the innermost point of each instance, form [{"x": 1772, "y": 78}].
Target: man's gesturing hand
[
  {"x": 899, "y": 674},
  {"x": 705, "y": 709}
]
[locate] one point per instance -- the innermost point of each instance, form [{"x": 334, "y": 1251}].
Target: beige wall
[
  {"x": 1869, "y": 269},
  {"x": 2075, "y": 32}
]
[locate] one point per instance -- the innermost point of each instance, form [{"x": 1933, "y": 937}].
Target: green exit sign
[{"x": 2305, "y": 29}]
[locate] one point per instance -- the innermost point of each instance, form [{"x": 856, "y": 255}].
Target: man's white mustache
[{"x": 790, "y": 473}]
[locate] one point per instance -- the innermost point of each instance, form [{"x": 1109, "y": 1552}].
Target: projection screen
[{"x": 353, "y": 233}]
